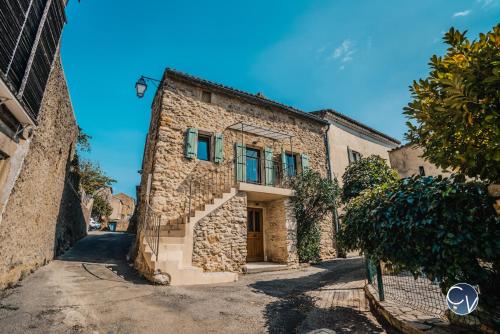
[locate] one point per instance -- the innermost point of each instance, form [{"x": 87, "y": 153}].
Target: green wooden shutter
[
  {"x": 284, "y": 164},
  {"x": 241, "y": 167},
  {"x": 219, "y": 148},
  {"x": 304, "y": 159},
  {"x": 268, "y": 156},
  {"x": 191, "y": 143}
]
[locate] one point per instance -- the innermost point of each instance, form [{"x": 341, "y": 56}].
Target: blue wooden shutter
[
  {"x": 304, "y": 159},
  {"x": 241, "y": 162},
  {"x": 268, "y": 156},
  {"x": 219, "y": 148},
  {"x": 284, "y": 166},
  {"x": 191, "y": 143}
]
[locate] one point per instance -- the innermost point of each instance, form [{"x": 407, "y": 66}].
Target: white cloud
[
  {"x": 485, "y": 3},
  {"x": 463, "y": 13},
  {"x": 344, "y": 53}
]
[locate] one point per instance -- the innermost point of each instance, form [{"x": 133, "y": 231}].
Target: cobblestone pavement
[{"x": 91, "y": 289}]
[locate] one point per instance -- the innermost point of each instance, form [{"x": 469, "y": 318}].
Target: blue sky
[{"x": 357, "y": 57}]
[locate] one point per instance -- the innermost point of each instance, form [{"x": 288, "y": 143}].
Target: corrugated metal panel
[
  {"x": 25, "y": 60},
  {"x": 44, "y": 56}
]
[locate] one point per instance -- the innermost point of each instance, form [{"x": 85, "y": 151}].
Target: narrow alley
[{"x": 92, "y": 289}]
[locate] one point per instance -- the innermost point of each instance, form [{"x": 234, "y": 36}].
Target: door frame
[{"x": 252, "y": 205}]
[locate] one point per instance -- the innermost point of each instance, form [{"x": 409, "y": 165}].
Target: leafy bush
[
  {"x": 366, "y": 173},
  {"x": 101, "y": 207},
  {"x": 455, "y": 112},
  {"x": 315, "y": 197},
  {"x": 442, "y": 227}
]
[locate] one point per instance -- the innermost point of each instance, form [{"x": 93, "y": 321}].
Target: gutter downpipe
[{"x": 331, "y": 177}]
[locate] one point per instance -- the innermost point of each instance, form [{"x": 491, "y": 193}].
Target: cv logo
[{"x": 462, "y": 298}]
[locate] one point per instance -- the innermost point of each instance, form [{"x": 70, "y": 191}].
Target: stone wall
[
  {"x": 182, "y": 108},
  {"x": 275, "y": 236},
  {"x": 280, "y": 232},
  {"x": 220, "y": 239},
  {"x": 178, "y": 106},
  {"x": 36, "y": 223},
  {"x": 407, "y": 159}
]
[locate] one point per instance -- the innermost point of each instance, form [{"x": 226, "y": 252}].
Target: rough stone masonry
[{"x": 43, "y": 214}]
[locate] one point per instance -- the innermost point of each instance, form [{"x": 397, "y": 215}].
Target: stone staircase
[{"x": 174, "y": 253}]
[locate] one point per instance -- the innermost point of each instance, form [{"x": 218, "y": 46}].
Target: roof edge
[
  {"x": 254, "y": 98},
  {"x": 322, "y": 113}
]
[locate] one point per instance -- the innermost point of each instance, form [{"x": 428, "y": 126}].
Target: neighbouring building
[
  {"x": 349, "y": 140},
  {"x": 40, "y": 205},
  {"x": 214, "y": 192},
  {"x": 408, "y": 160},
  {"x": 122, "y": 207}
]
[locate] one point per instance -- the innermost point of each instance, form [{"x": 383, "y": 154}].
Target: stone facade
[
  {"x": 41, "y": 217},
  {"x": 407, "y": 160},
  {"x": 122, "y": 207},
  {"x": 179, "y": 104},
  {"x": 220, "y": 238}
]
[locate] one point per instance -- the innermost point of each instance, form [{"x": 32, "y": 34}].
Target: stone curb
[
  {"x": 380, "y": 310},
  {"x": 406, "y": 327}
]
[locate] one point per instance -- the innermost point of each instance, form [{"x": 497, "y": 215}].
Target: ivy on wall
[{"x": 315, "y": 197}]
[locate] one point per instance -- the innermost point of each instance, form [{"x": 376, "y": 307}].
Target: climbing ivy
[{"x": 315, "y": 198}]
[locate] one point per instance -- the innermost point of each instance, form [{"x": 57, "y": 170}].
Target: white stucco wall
[{"x": 340, "y": 137}]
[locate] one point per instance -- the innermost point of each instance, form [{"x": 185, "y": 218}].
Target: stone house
[
  {"x": 349, "y": 140},
  {"x": 122, "y": 206},
  {"x": 40, "y": 206},
  {"x": 214, "y": 193},
  {"x": 408, "y": 160}
]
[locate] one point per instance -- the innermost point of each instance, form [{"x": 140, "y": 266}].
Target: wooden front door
[{"x": 255, "y": 244}]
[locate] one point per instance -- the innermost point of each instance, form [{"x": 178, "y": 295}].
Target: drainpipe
[{"x": 330, "y": 177}]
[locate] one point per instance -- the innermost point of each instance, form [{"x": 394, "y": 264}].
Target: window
[
  {"x": 291, "y": 164},
  {"x": 253, "y": 165},
  {"x": 421, "y": 170},
  {"x": 206, "y": 97},
  {"x": 204, "y": 146},
  {"x": 352, "y": 156},
  {"x": 356, "y": 156}
]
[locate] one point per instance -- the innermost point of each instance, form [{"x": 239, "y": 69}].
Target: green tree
[
  {"x": 315, "y": 198},
  {"x": 92, "y": 177},
  {"x": 90, "y": 174},
  {"x": 366, "y": 173},
  {"x": 442, "y": 227},
  {"x": 101, "y": 207},
  {"x": 455, "y": 112}
]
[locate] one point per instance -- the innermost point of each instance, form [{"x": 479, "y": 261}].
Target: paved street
[{"x": 91, "y": 289}]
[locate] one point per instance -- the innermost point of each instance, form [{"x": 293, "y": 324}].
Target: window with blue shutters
[
  {"x": 304, "y": 160},
  {"x": 191, "y": 143},
  {"x": 240, "y": 162},
  {"x": 269, "y": 166},
  {"x": 219, "y": 148}
]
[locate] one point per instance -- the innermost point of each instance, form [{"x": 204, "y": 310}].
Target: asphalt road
[{"x": 92, "y": 289}]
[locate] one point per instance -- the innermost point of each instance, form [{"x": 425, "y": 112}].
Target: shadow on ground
[
  {"x": 295, "y": 311},
  {"x": 105, "y": 250}
]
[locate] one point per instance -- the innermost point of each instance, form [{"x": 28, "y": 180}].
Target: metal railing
[
  {"x": 269, "y": 173},
  {"x": 403, "y": 287},
  {"x": 152, "y": 229},
  {"x": 201, "y": 190}
]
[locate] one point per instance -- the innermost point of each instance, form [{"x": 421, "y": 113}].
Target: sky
[{"x": 357, "y": 57}]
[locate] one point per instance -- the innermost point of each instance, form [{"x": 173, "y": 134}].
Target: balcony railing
[
  {"x": 204, "y": 188},
  {"x": 267, "y": 173}
]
